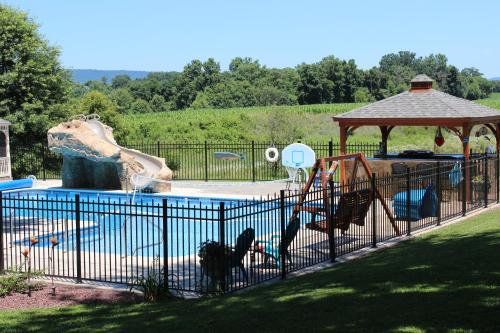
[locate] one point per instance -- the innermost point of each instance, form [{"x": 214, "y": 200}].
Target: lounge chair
[
  {"x": 352, "y": 208},
  {"x": 236, "y": 256},
  {"x": 272, "y": 248},
  {"x": 423, "y": 203}
]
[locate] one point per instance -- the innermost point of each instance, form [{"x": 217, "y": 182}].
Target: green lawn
[{"x": 445, "y": 281}]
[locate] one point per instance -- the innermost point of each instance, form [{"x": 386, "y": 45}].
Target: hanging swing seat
[
  {"x": 352, "y": 205},
  {"x": 352, "y": 208}
]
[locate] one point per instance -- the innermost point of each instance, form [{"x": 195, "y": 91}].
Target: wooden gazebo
[{"x": 420, "y": 106}]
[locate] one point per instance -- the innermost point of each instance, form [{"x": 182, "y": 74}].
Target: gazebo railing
[{"x": 5, "y": 167}]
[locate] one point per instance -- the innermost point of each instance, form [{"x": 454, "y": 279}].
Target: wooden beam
[
  {"x": 456, "y": 131},
  {"x": 385, "y": 131},
  {"x": 343, "y": 142},
  {"x": 492, "y": 128},
  {"x": 497, "y": 136},
  {"x": 466, "y": 150}
]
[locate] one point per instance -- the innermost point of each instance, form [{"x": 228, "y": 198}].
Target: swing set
[{"x": 352, "y": 206}]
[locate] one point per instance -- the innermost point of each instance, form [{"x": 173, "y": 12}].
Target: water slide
[{"x": 151, "y": 166}]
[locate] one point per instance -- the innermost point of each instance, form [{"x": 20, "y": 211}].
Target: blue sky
[{"x": 165, "y": 35}]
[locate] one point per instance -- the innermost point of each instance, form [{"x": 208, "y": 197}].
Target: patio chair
[
  {"x": 272, "y": 248},
  {"x": 352, "y": 208},
  {"x": 236, "y": 256}
]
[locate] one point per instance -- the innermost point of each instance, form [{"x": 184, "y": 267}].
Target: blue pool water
[{"x": 112, "y": 223}]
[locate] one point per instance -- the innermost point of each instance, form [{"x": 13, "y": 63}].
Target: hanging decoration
[{"x": 439, "y": 138}]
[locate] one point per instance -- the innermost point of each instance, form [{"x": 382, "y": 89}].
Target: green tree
[
  {"x": 195, "y": 77},
  {"x": 140, "y": 106},
  {"x": 310, "y": 87},
  {"x": 231, "y": 93},
  {"x": 123, "y": 100},
  {"x": 158, "y": 104},
  {"x": 120, "y": 81},
  {"x": 32, "y": 81},
  {"x": 95, "y": 102},
  {"x": 453, "y": 84},
  {"x": 362, "y": 95},
  {"x": 247, "y": 69},
  {"x": 97, "y": 85}
]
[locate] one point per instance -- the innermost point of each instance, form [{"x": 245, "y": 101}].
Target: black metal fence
[
  {"x": 207, "y": 245},
  {"x": 188, "y": 161}
]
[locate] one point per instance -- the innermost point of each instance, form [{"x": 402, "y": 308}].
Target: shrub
[
  {"x": 16, "y": 281},
  {"x": 152, "y": 285}
]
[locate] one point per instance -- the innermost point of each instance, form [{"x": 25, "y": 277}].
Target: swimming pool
[{"x": 117, "y": 223}]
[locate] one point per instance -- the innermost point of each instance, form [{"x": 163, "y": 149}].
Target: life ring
[{"x": 272, "y": 154}]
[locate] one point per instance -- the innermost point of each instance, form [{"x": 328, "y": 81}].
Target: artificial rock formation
[{"x": 93, "y": 160}]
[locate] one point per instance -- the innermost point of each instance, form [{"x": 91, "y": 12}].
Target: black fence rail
[
  {"x": 215, "y": 245},
  {"x": 188, "y": 161}
]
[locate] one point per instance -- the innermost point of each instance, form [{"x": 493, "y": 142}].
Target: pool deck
[{"x": 212, "y": 189}]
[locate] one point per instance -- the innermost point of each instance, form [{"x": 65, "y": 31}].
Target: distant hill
[
  {"x": 495, "y": 79},
  {"x": 84, "y": 75}
]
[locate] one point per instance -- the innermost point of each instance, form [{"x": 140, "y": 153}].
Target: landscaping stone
[{"x": 89, "y": 161}]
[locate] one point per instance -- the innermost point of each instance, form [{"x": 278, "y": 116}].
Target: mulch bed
[{"x": 66, "y": 295}]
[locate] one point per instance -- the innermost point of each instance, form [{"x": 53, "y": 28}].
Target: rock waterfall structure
[{"x": 93, "y": 159}]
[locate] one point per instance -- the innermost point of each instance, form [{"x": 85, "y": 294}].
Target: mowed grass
[
  {"x": 284, "y": 124},
  {"x": 445, "y": 281}
]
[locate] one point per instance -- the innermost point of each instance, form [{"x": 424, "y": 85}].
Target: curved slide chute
[{"x": 151, "y": 166}]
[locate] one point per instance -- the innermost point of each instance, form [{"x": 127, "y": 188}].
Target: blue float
[{"x": 16, "y": 184}]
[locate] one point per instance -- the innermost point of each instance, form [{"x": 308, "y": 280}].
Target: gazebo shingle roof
[{"x": 430, "y": 104}]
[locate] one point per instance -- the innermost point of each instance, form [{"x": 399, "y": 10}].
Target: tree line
[{"x": 248, "y": 83}]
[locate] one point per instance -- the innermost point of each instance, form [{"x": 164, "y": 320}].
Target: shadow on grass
[{"x": 446, "y": 281}]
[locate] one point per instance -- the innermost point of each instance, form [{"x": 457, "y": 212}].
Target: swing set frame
[{"x": 321, "y": 166}]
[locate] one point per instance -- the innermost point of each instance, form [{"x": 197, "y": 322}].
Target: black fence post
[
  {"x": 464, "y": 188},
  {"x": 44, "y": 162},
  {"x": 330, "y": 149},
  {"x": 438, "y": 192},
  {"x": 408, "y": 202},
  {"x": 486, "y": 180},
  {"x": 283, "y": 232},
  {"x": 206, "y": 161},
  {"x": 2, "y": 255},
  {"x": 158, "y": 148},
  {"x": 78, "y": 241},
  {"x": 222, "y": 239},
  {"x": 374, "y": 210},
  {"x": 331, "y": 227},
  {"x": 165, "y": 242},
  {"x": 253, "y": 161}
]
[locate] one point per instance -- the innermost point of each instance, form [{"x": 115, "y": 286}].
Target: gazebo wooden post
[
  {"x": 343, "y": 141},
  {"x": 385, "y": 131},
  {"x": 466, "y": 129},
  {"x": 497, "y": 136}
]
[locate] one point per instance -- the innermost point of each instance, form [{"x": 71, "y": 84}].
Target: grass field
[
  {"x": 445, "y": 281},
  {"x": 309, "y": 123}
]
